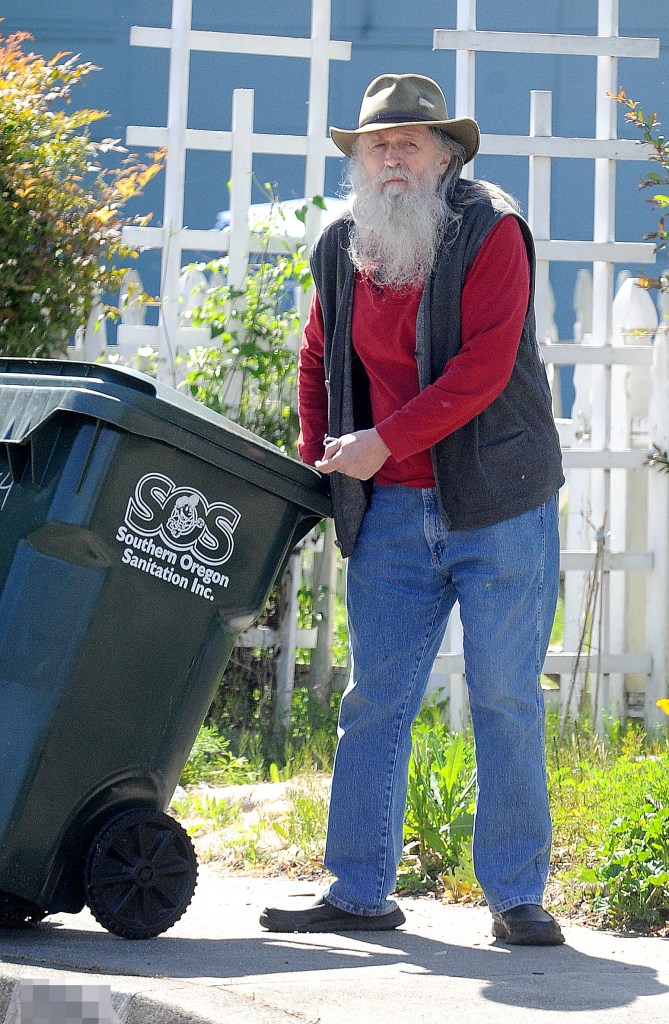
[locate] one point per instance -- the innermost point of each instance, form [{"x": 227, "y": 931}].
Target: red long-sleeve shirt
[{"x": 493, "y": 309}]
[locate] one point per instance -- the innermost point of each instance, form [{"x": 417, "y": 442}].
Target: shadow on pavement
[{"x": 559, "y": 978}]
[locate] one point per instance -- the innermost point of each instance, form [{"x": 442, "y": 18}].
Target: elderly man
[{"x": 422, "y": 392}]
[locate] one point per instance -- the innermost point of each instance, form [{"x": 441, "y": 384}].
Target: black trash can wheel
[
  {"x": 141, "y": 873},
  {"x": 15, "y": 912}
]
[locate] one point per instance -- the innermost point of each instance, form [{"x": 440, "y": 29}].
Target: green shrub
[
  {"x": 633, "y": 868},
  {"x": 60, "y": 211},
  {"x": 243, "y": 714},
  {"x": 658, "y": 179},
  {"x": 249, "y": 374}
]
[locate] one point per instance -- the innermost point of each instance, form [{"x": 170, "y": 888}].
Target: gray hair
[
  {"x": 449, "y": 181},
  {"x": 478, "y": 189}
]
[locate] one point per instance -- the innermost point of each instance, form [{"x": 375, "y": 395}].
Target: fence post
[
  {"x": 319, "y": 85},
  {"x": 241, "y": 174},
  {"x": 635, "y": 322},
  {"x": 539, "y": 219},
  {"x": 90, "y": 341},
  {"x": 465, "y": 70},
  {"x": 658, "y": 539},
  {"x": 579, "y": 536},
  {"x": 175, "y": 175},
  {"x": 613, "y": 695},
  {"x": 285, "y": 663},
  {"x": 602, "y": 285},
  {"x": 324, "y": 587}
]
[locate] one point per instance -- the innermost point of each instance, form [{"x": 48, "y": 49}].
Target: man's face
[{"x": 411, "y": 148}]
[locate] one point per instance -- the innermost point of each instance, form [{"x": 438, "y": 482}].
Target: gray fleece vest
[{"x": 503, "y": 462}]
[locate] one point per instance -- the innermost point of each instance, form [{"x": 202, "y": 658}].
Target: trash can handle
[{"x": 304, "y": 525}]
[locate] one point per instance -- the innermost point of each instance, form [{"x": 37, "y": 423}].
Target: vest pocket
[{"x": 504, "y": 461}]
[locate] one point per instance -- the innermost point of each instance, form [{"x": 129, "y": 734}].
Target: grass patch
[{"x": 599, "y": 787}]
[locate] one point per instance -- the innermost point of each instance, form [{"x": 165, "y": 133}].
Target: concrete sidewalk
[{"x": 217, "y": 965}]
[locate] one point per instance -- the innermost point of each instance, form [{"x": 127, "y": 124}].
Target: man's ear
[{"x": 444, "y": 162}]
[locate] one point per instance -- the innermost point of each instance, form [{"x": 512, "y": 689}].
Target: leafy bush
[
  {"x": 594, "y": 782},
  {"x": 649, "y": 125},
  {"x": 634, "y": 868},
  {"x": 250, "y": 373},
  {"x": 60, "y": 211}
]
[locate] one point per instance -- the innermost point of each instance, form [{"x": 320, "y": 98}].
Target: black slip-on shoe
[
  {"x": 323, "y": 917},
  {"x": 527, "y": 925}
]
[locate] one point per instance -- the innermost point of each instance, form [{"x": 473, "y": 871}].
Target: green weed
[
  {"x": 306, "y": 823},
  {"x": 211, "y": 760},
  {"x": 439, "y": 818},
  {"x": 633, "y": 871},
  {"x": 211, "y": 812}
]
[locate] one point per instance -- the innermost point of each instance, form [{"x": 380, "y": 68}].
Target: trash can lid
[{"x": 33, "y": 390}]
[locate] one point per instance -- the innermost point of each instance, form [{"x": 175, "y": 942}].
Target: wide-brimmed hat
[{"x": 394, "y": 100}]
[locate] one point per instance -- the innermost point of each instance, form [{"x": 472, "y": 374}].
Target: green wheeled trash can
[{"x": 140, "y": 533}]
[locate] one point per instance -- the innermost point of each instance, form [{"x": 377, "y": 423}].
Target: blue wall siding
[{"x": 387, "y": 35}]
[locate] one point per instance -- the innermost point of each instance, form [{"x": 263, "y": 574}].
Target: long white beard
[{"x": 395, "y": 234}]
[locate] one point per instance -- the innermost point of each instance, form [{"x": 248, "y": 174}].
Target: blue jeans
[{"x": 404, "y": 576}]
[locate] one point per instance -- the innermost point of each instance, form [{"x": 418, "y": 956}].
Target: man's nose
[{"x": 393, "y": 156}]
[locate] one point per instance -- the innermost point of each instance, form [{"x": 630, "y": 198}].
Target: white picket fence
[
  {"x": 615, "y": 511},
  {"x": 614, "y": 526}
]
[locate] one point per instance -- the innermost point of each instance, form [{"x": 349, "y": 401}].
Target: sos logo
[{"x": 182, "y": 518}]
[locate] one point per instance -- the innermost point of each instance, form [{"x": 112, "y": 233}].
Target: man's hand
[{"x": 359, "y": 455}]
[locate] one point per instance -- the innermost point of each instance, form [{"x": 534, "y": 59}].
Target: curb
[{"x": 133, "y": 1001}]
